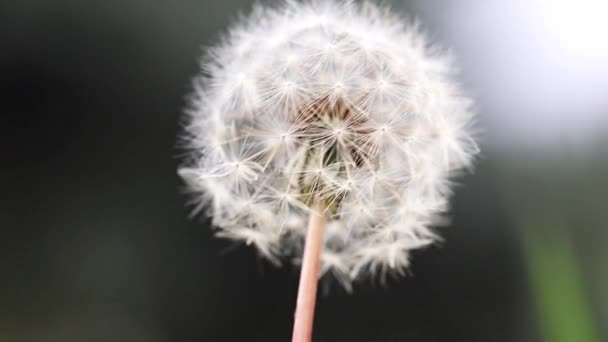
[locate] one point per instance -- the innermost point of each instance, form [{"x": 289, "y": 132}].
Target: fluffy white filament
[{"x": 332, "y": 102}]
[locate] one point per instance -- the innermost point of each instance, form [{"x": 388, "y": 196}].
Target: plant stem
[{"x": 309, "y": 276}]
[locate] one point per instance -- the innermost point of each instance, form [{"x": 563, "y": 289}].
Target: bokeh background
[{"x": 96, "y": 243}]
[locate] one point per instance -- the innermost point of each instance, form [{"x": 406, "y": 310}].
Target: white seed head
[{"x": 333, "y": 102}]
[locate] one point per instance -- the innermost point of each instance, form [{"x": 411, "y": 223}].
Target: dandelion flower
[
  {"x": 331, "y": 110},
  {"x": 329, "y": 102}
]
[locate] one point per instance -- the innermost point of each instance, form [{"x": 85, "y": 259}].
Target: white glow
[
  {"x": 539, "y": 68},
  {"x": 580, "y": 27}
]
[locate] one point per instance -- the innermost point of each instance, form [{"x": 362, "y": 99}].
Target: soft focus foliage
[{"x": 337, "y": 103}]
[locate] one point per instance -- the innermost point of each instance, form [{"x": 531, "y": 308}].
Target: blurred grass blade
[{"x": 558, "y": 287}]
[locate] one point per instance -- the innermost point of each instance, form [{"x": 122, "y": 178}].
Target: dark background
[{"x": 96, "y": 241}]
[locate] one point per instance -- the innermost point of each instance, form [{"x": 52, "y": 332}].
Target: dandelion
[{"x": 329, "y": 130}]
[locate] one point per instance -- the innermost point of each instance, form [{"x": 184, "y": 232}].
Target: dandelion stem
[{"x": 307, "y": 290}]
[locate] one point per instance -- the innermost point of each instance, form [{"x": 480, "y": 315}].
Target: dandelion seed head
[{"x": 334, "y": 102}]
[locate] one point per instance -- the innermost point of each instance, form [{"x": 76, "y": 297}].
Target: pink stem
[{"x": 309, "y": 276}]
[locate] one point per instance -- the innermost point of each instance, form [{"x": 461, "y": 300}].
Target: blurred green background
[{"x": 97, "y": 245}]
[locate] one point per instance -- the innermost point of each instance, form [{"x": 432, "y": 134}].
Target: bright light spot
[
  {"x": 538, "y": 68},
  {"x": 579, "y": 26}
]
